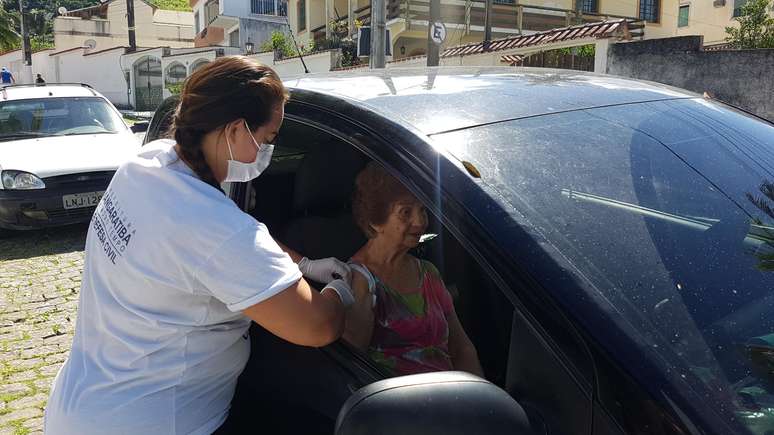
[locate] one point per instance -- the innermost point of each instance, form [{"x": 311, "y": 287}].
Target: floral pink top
[{"x": 411, "y": 333}]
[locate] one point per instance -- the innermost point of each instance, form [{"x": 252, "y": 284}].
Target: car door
[{"x": 549, "y": 369}]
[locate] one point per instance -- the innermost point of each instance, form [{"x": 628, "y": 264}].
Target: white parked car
[{"x": 59, "y": 147}]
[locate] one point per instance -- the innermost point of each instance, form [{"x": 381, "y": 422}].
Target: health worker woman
[{"x": 174, "y": 272}]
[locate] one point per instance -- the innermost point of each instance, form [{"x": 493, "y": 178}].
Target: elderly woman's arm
[
  {"x": 463, "y": 352},
  {"x": 359, "y": 323}
]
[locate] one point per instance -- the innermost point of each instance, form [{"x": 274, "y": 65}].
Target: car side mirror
[
  {"x": 139, "y": 127},
  {"x": 446, "y": 403}
]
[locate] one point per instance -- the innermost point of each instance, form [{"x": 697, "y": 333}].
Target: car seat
[
  {"x": 20, "y": 120},
  {"x": 322, "y": 225}
]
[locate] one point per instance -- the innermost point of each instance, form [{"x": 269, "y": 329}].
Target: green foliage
[
  {"x": 765, "y": 204},
  {"x": 172, "y": 5},
  {"x": 756, "y": 27},
  {"x": 582, "y": 51},
  {"x": 175, "y": 88},
  {"x": 281, "y": 43},
  {"x": 349, "y": 53},
  {"x": 8, "y": 36}
]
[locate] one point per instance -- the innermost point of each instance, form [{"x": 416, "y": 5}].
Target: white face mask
[{"x": 242, "y": 172}]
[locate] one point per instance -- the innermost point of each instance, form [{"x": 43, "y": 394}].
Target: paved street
[{"x": 40, "y": 275}]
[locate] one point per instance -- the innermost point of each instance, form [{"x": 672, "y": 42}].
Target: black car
[{"x": 609, "y": 244}]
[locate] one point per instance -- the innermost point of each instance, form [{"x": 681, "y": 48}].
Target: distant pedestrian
[
  {"x": 6, "y": 78},
  {"x": 39, "y": 80}
]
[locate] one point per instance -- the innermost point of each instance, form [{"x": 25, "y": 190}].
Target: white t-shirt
[{"x": 160, "y": 338}]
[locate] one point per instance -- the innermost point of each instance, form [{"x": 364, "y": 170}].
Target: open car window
[
  {"x": 305, "y": 197},
  {"x": 679, "y": 253}
]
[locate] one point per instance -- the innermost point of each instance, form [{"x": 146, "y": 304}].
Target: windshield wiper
[
  {"x": 91, "y": 132},
  {"x": 27, "y": 134}
]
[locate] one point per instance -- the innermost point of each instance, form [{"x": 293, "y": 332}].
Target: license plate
[{"x": 80, "y": 200}]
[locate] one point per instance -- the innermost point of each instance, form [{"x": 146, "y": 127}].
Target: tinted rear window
[{"x": 666, "y": 211}]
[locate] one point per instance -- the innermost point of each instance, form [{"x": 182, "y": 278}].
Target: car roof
[
  {"x": 52, "y": 90},
  {"x": 441, "y": 99}
]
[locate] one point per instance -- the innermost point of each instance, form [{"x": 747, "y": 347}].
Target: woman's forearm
[{"x": 467, "y": 361}]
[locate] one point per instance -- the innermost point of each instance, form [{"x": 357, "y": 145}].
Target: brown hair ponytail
[{"x": 220, "y": 92}]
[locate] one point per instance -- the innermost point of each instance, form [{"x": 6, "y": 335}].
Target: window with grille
[
  {"x": 233, "y": 39},
  {"x": 301, "y": 15},
  {"x": 590, "y": 6},
  {"x": 649, "y": 10},
  {"x": 263, "y": 7},
  {"x": 211, "y": 11},
  {"x": 682, "y": 16},
  {"x": 738, "y": 7}
]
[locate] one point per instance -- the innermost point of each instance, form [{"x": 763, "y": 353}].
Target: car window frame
[{"x": 372, "y": 133}]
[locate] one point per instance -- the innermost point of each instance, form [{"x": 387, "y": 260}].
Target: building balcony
[
  {"x": 210, "y": 36},
  {"x": 362, "y": 14},
  {"x": 507, "y": 16},
  {"x": 277, "y": 8}
]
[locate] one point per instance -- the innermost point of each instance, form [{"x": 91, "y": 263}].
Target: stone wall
[{"x": 744, "y": 78}]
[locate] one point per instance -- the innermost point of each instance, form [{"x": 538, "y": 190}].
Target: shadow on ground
[{"x": 16, "y": 245}]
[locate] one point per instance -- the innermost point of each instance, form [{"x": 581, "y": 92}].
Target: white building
[{"x": 234, "y": 23}]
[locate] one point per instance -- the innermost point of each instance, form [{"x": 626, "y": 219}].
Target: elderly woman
[{"x": 403, "y": 315}]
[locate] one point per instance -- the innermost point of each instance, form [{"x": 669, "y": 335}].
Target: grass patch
[
  {"x": 6, "y": 370},
  {"x": 172, "y": 5},
  {"x": 18, "y": 427}
]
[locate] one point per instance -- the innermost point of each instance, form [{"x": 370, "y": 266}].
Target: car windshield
[
  {"x": 57, "y": 117},
  {"x": 666, "y": 212}
]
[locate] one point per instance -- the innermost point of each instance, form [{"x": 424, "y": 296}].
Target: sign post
[{"x": 436, "y": 35}]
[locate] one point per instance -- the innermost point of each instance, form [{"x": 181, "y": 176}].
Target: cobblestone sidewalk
[{"x": 40, "y": 275}]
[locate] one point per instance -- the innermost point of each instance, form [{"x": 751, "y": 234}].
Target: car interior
[{"x": 304, "y": 198}]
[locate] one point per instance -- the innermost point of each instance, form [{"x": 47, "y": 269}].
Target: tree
[
  {"x": 756, "y": 27},
  {"x": 9, "y": 39},
  {"x": 765, "y": 203}
]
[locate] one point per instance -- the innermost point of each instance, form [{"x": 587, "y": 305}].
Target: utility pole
[
  {"x": 378, "y": 33},
  {"x": 130, "y": 22},
  {"x": 433, "y": 49},
  {"x": 488, "y": 25},
  {"x": 26, "y": 47}
]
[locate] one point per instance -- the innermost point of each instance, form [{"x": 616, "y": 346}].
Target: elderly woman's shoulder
[{"x": 430, "y": 267}]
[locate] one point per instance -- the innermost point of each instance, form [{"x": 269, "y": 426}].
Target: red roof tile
[{"x": 603, "y": 29}]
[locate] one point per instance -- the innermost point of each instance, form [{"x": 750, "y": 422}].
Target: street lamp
[{"x": 249, "y": 46}]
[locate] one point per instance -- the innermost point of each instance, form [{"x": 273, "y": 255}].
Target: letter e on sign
[{"x": 438, "y": 33}]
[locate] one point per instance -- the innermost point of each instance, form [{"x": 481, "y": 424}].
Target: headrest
[{"x": 326, "y": 177}]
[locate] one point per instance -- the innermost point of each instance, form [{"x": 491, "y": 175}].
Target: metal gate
[{"x": 148, "y": 84}]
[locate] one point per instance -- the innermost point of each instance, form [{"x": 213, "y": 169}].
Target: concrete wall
[
  {"x": 741, "y": 77},
  {"x": 259, "y": 30},
  {"x": 102, "y": 71},
  {"x": 40, "y": 64},
  {"x": 316, "y": 63}
]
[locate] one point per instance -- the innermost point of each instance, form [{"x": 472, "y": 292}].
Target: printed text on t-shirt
[{"x": 111, "y": 227}]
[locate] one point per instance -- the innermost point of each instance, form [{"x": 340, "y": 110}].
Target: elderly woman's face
[{"x": 405, "y": 224}]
